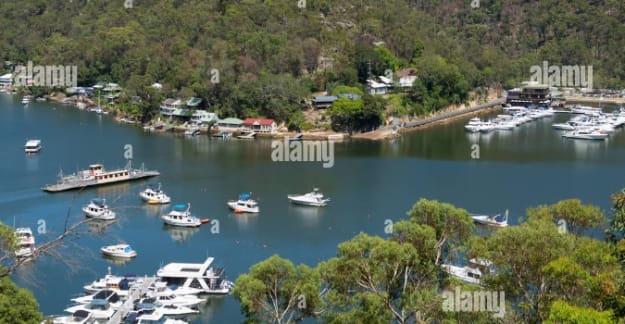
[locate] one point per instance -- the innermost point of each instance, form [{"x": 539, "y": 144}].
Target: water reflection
[
  {"x": 244, "y": 220},
  {"x": 114, "y": 191},
  {"x": 308, "y": 214},
  {"x": 98, "y": 226},
  {"x": 116, "y": 261},
  {"x": 32, "y": 162},
  {"x": 180, "y": 234},
  {"x": 588, "y": 149},
  {"x": 154, "y": 210}
]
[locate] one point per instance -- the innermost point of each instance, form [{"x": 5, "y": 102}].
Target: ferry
[{"x": 97, "y": 176}]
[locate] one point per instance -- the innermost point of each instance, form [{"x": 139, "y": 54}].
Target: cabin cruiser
[
  {"x": 180, "y": 215},
  {"x": 196, "y": 275},
  {"x": 472, "y": 273},
  {"x": 586, "y": 110},
  {"x": 32, "y": 146},
  {"x": 486, "y": 127},
  {"x": 496, "y": 220},
  {"x": 162, "y": 288},
  {"x": 105, "y": 294},
  {"x": 245, "y": 204},
  {"x": 98, "y": 209},
  {"x": 119, "y": 251},
  {"x": 170, "y": 298},
  {"x": 151, "y": 315},
  {"x": 165, "y": 309},
  {"x": 314, "y": 198},
  {"x": 25, "y": 243},
  {"x": 78, "y": 317},
  {"x": 586, "y": 134},
  {"x": 100, "y": 309},
  {"x": 154, "y": 195},
  {"x": 121, "y": 285},
  {"x": 473, "y": 125}
]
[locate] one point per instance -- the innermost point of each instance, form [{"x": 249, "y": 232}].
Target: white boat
[
  {"x": 105, "y": 294},
  {"x": 496, "y": 220},
  {"x": 471, "y": 273},
  {"x": 154, "y": 195},
  {"x": 245, "y": 204},
  {"x": 586, "y": 134},
  {"x": 41, "y": 99},
  {"x": 196, "y": 275},
  {"x": 98, "y": 209},
  {"x": 473, "y": 125},
  {"x": 166, "y": 310},
  {"x": 314, "y": 198},
  {"x": 514, "y": 109},
  {"x": 586, "y": 110},
  {"x": 25, "y": 243},
  {"x": 170, "y": 298},
  {"x": 180, "y": 215},
  {"x": 564, "y": 126},
  {"x": 100, "y": 309},
  {"x": 248, "y": 136},
  {"x": 32, "y": 146},
  {"x": 162, "y": 288},
  {"x": 26, "y": 100},
  {"x": 78, "y": 317},
  {"x": 121, "y": 285},
  {"x": 151, "y": 316},
  {"x": 119, "y": 251},
  {"x": 486, "y": 127}
]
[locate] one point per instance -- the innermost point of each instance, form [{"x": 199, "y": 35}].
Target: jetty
[
  {"x": 133, "y": 296},
  {"x": 453, "y": 114}
]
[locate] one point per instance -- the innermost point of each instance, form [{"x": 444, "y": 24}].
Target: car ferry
[{"x": 96, "y": 175}]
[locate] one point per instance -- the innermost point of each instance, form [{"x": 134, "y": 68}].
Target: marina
[{"x": 435, "y": 163}]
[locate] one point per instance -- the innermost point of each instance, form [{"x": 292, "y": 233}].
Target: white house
[
  {"x": 378, "y": 88},
  {"x": 406, "y": 77},
  {"x": 6, "y": 80},
  {"x": 260, "y": 125},
  {"x": 204, "y": 117}
]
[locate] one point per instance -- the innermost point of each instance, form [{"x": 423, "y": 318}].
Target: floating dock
[{"x": 133, "y": 296}]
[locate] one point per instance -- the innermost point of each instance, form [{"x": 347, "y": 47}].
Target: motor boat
[
  {"x": 314, "y": 198},
  {"x": 473, "y": 125},
  {"x": 163, "y": 288},
  {"x": 105, "y": 294},
  {"x": 32, "y": 146},
  {"x": 210, "y": 280},
  {"x": 120, "y": 284},
  {"x": 98, "y": 209},
  {"x": 26, "y": 100},
  {"x": 166, "y": 310},
  {"x": 248, "y": 136},
  {"x": 145, "y": 316},
  {"x": 496, "y": 220},
  {"x": 168, "y": 297},
  {"x": 78, "y": 317},
  {"x": 25, "y": 242},
  {"x": 100, "y": 309},
  {"x": 154, "y": 195},
  {"x": 180, "y": 215},
  {"x": 472, "y": 273},
  {"x": 245, "y": 204},
  {"x": 586, "y": 134},
  {"x": 119, "y": 251}
]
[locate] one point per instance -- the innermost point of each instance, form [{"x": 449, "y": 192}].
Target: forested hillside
[{"x": 272, "y": 54}]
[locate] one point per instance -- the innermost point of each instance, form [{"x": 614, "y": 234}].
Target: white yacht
[
  {"x": 180, "y": 215},
  {"x": 471, "y": 273},
  {"x": 121, "y": 285},
  {"x": 105, "y": 294},
  {"x": 170, "y": 298},
  {"x": 98, "y": 209},
  {"x": 167, "y": 309},
  {"x": 119, "y": 251},
  {"x": 196, "y": 275},
  {"x": 25, "y": 243},
  {"x": 150, "y": 316},
  {"x": 32, "y": 146},
  {"x": 586, "y": 110},
  {"x": 486, "y": 127},
  {"x": 100, "y": 309},
  {"x": 245, "y": 204},
  {"x": 473, "y": 125},
  {"x": 586, "y": 134},
  {"x": 314, "y": 198},
  {"x": 496, "y": 220},
  {"x": 162, "y": 288},
  {"x": 568, "y": 126},
  {"x": 154, "y": 195},
  {"x": 78, "y": 317}
]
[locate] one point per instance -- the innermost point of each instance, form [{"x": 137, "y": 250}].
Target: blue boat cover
[
  {"x": 244, "y": 196},
  {"x": 180, "y": 207},
  {"x": 499, "y": 218}
]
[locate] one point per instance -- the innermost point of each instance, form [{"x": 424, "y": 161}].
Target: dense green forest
[{"x": 272, "y": 55}]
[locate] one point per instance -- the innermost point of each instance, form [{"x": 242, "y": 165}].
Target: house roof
[
  {"x": 319, "y": 99},
  {"x": 171, "y": 102},
  {"x": 258, "y": 121},
  {"x": 7, "y": 76},
  {"x": 193, "y": 101}
]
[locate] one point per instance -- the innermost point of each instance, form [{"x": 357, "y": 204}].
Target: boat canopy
[
  {"x": 244, "y": 196},
  {"x": 128, "y": 249},
  {"x": 180, "y": 207},
  {"x": 81, "y": 313},
  {"x": 101, "y": 202},
  {"x": 499, "y": 218}
]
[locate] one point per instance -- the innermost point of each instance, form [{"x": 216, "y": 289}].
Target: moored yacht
[
  {"x": 154, "y": 195},
  {"x": 473, "y": 125},
  {"x": 180, "y": 215},
  {"x": 105, "y": 294},
  {"x": 120, "y": 285},
  {"x": 78, "y": 317},
  {"x": 25, "y": 243},
  {"x": 472, "y": 273},
  {"x": 586, "y": 134},
  {"x": 119, "y": 251},
  {"x": 314, "y": 198},
  {"x": 496, "y": 220},
  {"x": 32, "y": 146},
  {"x": 98, "y": 209},
  {"x": 196, "y": 275},
  {"x": 245, "y": 204},
  {"x": 100, "y": 309}
]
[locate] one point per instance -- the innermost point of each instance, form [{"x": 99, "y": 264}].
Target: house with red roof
[{"x": 260, "y": 125}]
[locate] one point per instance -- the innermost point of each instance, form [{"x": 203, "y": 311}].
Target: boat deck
[
  {"x": 92, "y": 183},
  {"x": 129, "y": 304}
]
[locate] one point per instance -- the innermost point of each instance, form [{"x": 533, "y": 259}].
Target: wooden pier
[{"x": 128, "y": 305}]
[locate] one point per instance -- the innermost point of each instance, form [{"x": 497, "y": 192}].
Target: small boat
[
  {"x": 180, "y": 215},
  {"x": 121, "y": 285},
  {"x": 41, "y": 99},
  {"x": 564, "y": 126},
  {"x": 105, "y": 294},
  {"x": 26, "y": 100},
  {"x": 32, "y": 146},
  {"x": 586, "y": 110},
  {"x": 248, "y": 136},
  {"x": 119, "y": 251},
  {"x": 245, "y": 204},
  {"x": 496, "y": 220},
  {"x": 154, "y": 195},
  {"x": 314, "y": 198},
  {"x": 473, "y": 125},
  {"x": 168, "y": 297},
  {"x": 98, "y": 209},
  {"x": 144, "y": 316},
  {"x": 223, "y": 135},
  {"x": 166, "y": 310},
  {"x": 297, "y": 137},
  {"x": 471, "y": 273},
  {"x": 586, "y": 134},
  {"x": 80, "y": 316},
  {"x": 192, "y": 131},
  {"x": 25, "y": 243}
]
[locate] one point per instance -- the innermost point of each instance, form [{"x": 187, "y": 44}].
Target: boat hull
[{"x": 301, "y": 202}]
